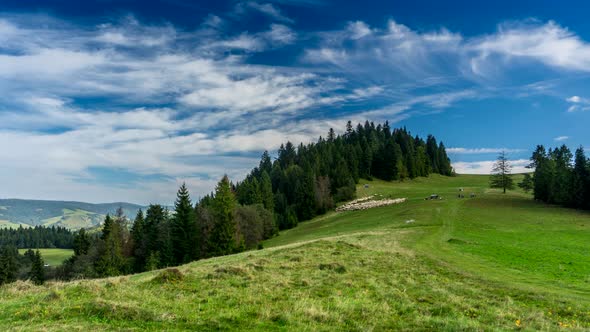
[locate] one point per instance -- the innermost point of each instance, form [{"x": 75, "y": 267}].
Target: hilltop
[
  {"x": 72, "y": 215},
  {"x": 493, "y": 262}
]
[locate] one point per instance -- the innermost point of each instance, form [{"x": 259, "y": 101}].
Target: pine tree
[
  {"x": 501, "y": 174},
  {"x": 527, "y": 183},
  {"x": 266, "y": 192},
  {"x": 184, "y": 232},
  {"x": 107, "y": 227},
  {"x": 223, "y": 240},
  {"x": 543, "y": 173},
  {"x": 8, "y": 264},
  {"x": 580, "y": 180},
  {"x": 111, "y": 261},
  {"x": 37, "y": 274},
  {"x": 139, "y": 238},
  {"x": 81, "y": 243}
]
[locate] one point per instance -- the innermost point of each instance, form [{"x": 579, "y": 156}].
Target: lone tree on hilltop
[{"x": 501, "y": 176}]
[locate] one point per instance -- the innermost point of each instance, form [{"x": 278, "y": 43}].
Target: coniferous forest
[
  {"x": 557, "y": 180},
  {"x": 37, "y": 237},
  {"x": 301, "y": 183}
]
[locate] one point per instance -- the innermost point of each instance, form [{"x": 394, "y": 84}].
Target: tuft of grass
[
  {"x": 336, "y": 267},
  {"x": 168, "y": 276}
]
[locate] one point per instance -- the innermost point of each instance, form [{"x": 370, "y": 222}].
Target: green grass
[
  {"x": 495, "y": 262},
  {"x": 9, "y": 224},
  {"x": 53, "y": 257}
]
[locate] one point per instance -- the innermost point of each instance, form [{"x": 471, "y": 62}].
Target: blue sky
[{"x": 124, "y": 100}]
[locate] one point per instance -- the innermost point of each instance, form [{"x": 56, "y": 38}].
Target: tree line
[
  {"x": 299, "y": 184},
  {"x": 560, "y": 177},
  {"x": 37, "y": 237}
]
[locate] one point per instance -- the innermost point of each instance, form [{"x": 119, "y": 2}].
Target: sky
[{"x": 104, "y": 101}]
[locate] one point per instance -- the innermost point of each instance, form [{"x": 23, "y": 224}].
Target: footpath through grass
[{"x": 494, "y": 262}]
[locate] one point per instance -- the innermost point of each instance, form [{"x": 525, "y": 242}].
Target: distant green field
[
  {"x": 490, "y": 263},
  {"x": 53, "y": 257},
  {"x": 8, "y": 224}
]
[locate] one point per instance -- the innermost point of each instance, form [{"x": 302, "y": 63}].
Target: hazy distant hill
[{"x": 73, "y": 215}]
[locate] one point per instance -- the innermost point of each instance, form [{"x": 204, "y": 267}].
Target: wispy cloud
[
  {"x": 265, "y": 8},
  {"x": 482, "y": 150},
  {"x": 561, "y": 138},
  {"x": 485, "y": 167},
  {"x": 578, "y": 104}
]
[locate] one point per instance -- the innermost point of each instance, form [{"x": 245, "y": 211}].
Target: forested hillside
[{"x": 308, "y": 180}]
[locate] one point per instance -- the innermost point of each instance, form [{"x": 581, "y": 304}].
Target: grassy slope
[
  {"x": 53, "y": 257},
  {"x": 8, "y": 224},
  {"x": 494, "y": 262},
  {"x": 73, "y": 219}
]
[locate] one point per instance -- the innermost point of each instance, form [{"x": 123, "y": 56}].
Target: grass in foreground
[{"x": 496, "y": 262}]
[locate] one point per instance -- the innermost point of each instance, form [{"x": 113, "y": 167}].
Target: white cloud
[
  {"x": 399, "y": 53},
  {"x": 548, "y": 43},
  {"x": 561, "y": 138},
  {"x": 481, "y": 150},
  {"x": 574, "y": 99},
  {"x": 281, "y": 34},
  {"x": 579, "y": 104},
  {"x": 358, "y": 29},
  {"x": 264, "y": 8},
  {"x": 485, "y": 167}
]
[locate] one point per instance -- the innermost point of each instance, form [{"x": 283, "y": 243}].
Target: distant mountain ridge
[{"x": 69, "y": 214}]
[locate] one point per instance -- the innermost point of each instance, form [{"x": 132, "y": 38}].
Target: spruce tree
[
  {"x": 139, "y": 238},
  {"x": 580, "y": 181},
  {"x": 223, "y": 240},
  {"x": 8, "y": 264},
  {"x": 527, "y": 183},
  {"x": 266, "y": 192},
  {"x": 37, "y": 274},
  {"x": 501, "y": 174},
  {"x": 184, "y": 231},
  {"x": 81, "y": 243}
]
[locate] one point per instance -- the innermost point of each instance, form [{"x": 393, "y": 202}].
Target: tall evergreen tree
[
  {"x": 184, "y": 231},
  {"x": 8, "y": 264},
  {"x": 527, "y": 183},
  {"x": 37, "y": 274},
  {"x": 223, "y": 240},
  {"x": 580, "y": 193},
  {"x": 81, "y": 243},
  {"x": 501, "y": 174}
]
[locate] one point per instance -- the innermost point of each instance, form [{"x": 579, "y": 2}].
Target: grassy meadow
[
  {"x": 493, "y": 262},
  {"x": 53, "y": 257}
]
